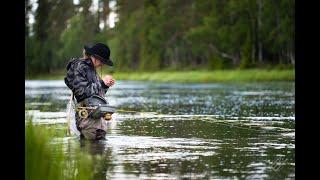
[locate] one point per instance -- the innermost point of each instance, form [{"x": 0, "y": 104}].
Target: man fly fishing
[{"x": 87, "y": 87}]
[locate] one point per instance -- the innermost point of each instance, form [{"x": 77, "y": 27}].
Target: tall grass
[
  {"x": 250, "y": 75},
  {"x": 47, "y": 161},
  {"x": 244, "y": 75}
]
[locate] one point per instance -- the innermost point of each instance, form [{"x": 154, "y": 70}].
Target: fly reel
[
  {"x": 83, "y": 113},
  {"x": 96, "y": 107}
]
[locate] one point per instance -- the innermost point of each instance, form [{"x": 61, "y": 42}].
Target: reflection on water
[{"x": 183, "y": 131}]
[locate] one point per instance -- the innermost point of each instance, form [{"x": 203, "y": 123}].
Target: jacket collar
[{"x": 89, "y": 62}]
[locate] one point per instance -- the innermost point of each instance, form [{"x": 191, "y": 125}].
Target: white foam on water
[
  {"x": 274, "y": 145},
  {"x": 260, "y": 93},
  {"x": 290, "y": 134}
]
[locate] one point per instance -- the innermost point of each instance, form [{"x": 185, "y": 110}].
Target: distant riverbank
[{"x": 248, "y": 75}]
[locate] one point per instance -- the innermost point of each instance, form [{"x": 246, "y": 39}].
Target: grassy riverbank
[{"x": 249, "y": 75}]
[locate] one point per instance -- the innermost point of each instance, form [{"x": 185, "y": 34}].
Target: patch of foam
[{"x": 290, "y": 134}]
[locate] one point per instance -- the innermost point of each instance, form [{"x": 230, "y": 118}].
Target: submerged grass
[
  {"x": 48, "y": 161},
  {"x": 246, "y": 75}
]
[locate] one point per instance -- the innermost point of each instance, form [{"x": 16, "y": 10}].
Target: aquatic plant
[{"x": 48, "y": 161}]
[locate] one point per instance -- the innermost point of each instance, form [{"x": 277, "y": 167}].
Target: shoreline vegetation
[
  {"x": 201, "y": 76},
  {"x": 160, "y": 34},
  {"x": 46, "y": 161}
]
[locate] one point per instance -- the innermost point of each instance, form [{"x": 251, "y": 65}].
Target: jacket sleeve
[
  {"x": 104, "y": 87},
  {"x": 84, "y": 88}
]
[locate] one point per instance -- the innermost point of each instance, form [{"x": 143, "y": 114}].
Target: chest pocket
[{"x": 91, "y": 76}]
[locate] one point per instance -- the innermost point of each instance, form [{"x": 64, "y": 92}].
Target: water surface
[{"x": 183, "y": 131}]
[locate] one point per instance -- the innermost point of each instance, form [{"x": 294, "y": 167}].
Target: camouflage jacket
[{"x": 83, "y": 79}]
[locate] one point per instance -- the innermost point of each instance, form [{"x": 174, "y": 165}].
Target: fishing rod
[
  {"x": 131, "y": 111},
  {"x": 234, "y": 125},
  {"x": 240, "y": 125},
  {"x": 83, "y": 112}
]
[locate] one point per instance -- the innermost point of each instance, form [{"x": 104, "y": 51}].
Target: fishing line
[
  {"x": 101, "y": 72},
  {"x": 122, "y": 110},
  {"x": 69, "y": 113}
]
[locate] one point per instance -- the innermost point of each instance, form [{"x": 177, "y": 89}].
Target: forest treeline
[{"x": 151, "y": 35}]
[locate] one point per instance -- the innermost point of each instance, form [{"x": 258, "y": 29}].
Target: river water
[{"x": 183, "y": 131}]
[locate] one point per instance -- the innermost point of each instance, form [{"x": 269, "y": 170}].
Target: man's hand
[{"x": 108, "y": 80}]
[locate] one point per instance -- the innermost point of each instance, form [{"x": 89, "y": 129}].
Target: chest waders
[{"x": 92, "y": 115}]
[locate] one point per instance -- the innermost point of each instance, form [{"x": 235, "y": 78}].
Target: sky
[{"x": 94, "y": 7}]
